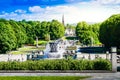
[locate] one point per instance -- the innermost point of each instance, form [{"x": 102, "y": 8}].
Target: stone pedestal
[
  {"x": 114, "y": 58},
  {"x": 37, "y": 42},
  {"x": 107, "y": 55}
]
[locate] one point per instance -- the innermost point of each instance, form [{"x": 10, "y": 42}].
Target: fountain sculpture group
[{"x": 54, "y": 50}]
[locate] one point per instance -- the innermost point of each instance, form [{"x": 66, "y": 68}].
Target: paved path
[
  {"x": 105, "y": 76},
  {"x": 95, "y": 76}
]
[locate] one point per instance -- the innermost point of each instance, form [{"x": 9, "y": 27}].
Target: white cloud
[
  {"x": 106, "y": 2},
  {"x": 101, "y": 2},
  {"x": 11, "y": 15},
  {"x": 51, "y": 10},
  {"x": 72, "y": 14},
  {"x": 35, "y": 9},
  {"x": 110, "y": 1},
  {"x": 55, "y": 12},
  {"x": 69, "y": 0},
  {"x": 93, "y": 11},
  {"x": 20, "y": 11},
  {"x": 118, "y": 2}
]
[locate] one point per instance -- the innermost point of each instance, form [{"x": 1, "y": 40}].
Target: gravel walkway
[{"x": 95, "y": 76}]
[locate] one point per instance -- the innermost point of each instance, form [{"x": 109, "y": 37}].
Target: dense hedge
[{"x": 62, "y": 64}]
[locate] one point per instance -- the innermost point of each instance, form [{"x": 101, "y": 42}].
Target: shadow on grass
[{"x": 43, "y": 77}]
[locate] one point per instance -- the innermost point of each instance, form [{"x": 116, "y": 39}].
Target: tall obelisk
[{"x": 63, "y": 20}]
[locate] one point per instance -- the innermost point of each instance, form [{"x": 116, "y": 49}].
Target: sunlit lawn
[
  {"x": 41, "y": 42},
  {"x": 42, "y": 78},
  {"x": 27, "y": 49}
]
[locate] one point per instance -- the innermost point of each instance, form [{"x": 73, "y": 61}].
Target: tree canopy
[
  {"x": 110, "y": 31},
  {"x": 13, "y": 34},
  {"x": 87, "y": 34},
  {"x": 56, "y": 30},
  {"x": 7, "y": 37}
]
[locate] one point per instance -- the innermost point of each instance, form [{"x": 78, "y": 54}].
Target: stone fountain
[{"x": 52, "y": 50}]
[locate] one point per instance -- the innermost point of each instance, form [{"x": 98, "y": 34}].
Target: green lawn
[
  {"x": 27, "y": 49},
  {"x": 41, "y": 42},
  {"x": 42, "y": 78}
]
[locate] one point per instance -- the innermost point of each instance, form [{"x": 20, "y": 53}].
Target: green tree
[
  {"x": 20, "y": 35},
  {"x": 44, "y": 30},
  {"x": 28, "y": 29},
  {"x": 95, "y": 29},
  {"x": 56, "y": 30},
  {"x": 37, "y": 29},
  {"x": 30, "y": 36},
  {"x": 88, "y": 34},
  {"x": 110, "y": 31},
  {"x": 13, "y": 34},
  {"x": 83, "y": 33},
  {"x": 7, "y": 37},
  {"x": 34, "y": 28}
]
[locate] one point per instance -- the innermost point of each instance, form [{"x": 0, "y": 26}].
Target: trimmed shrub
[
  {"x": 58, "y": 64},
  {"x": 102, "y": 64}
]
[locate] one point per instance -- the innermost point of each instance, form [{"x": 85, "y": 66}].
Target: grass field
[
  {"x": 41, "y": 42},
  {"x": 42, "y": 78},
  {"x": 27, "y": 49}
]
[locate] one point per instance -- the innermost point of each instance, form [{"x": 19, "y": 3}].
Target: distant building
[{"x": 70, "y": 32}]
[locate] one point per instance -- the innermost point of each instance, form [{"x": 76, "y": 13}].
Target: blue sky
[{"x": 74, "y": 10}]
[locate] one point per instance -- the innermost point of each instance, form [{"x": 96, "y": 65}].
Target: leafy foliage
[
  {"x": 20, "y": 35},
  {"x": 63, "y": 64},
  {"x": 7, "y": 37},
  {"x": 110, "y": 31},
  {"x": 13, "y": 34},
  {"x": 87, "y": 33},
  {"x": 56, "y": 30}
]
